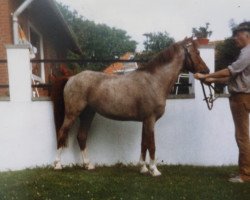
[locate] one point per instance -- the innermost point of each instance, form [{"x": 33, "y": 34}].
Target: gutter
[{"x": 15, "y": 15}]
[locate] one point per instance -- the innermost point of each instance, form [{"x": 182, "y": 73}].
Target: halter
[
  {"x": 208, "y": 99},
  {"x": 188, "y": 57}
]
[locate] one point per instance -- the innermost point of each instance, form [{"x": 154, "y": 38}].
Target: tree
[
  {"x": 98, "y": 41},
  {"x": 156, "y": 42},
  {"x": 226, "y": 53}
]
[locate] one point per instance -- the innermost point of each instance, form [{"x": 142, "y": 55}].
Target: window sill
[
  {"x": 41, "y": 99},
  {"x": 181, "y": 96},
  {"x": 5, "y": 98},
  {"x": 222, "y": 95}
]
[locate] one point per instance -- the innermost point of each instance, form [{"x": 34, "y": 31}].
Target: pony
[{"x": 137, "y": 96}]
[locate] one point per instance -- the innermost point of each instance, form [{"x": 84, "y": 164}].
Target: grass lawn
[{"x": 120, "y": 182}]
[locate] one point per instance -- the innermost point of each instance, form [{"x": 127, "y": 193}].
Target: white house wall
[{"x": 187, "y": 134}]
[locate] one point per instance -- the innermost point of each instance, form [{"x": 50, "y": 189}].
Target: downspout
[{"x": 19, "y": 10}]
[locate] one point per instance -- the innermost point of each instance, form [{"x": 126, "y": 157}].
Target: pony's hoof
[
  {"x": 58, "y": 166},
  {"x": 155, "y": 172},
  {"x": 144, "y": 169},
  {"x": 90, "y": 166}
]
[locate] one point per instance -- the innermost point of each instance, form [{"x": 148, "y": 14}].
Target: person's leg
[{"x": 240, "y": 115}]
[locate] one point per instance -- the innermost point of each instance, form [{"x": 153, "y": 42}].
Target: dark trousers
[{"x": 240, "y": 107}]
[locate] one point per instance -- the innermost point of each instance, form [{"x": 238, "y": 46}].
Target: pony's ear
[
  {"x": 183, "y": 42},
  {"x": 190, "y": 39},
  {"x": 187, "y": 40}
]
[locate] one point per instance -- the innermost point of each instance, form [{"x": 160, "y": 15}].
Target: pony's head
[{"x": 192, "y": 61}]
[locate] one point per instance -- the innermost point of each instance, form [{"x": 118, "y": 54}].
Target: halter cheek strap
[{"x": 188, "y": 59}]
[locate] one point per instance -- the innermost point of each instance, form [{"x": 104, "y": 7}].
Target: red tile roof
[{"x": 114, "y": 67}]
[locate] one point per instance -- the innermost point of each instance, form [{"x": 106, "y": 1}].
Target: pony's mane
[{"x": 162, "y": 58}]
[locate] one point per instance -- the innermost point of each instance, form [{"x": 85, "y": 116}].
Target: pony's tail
[{"x": 57, "y": 88}]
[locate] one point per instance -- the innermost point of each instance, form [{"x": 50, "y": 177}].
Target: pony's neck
[{"x": 169, "y": 73}]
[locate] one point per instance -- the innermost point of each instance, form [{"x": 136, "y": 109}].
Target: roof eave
[{"x": 67, "y": 29}]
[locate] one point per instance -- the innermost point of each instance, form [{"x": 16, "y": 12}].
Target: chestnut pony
[{"x": 138, "y": 96}]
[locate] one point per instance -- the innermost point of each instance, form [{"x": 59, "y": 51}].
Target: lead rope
[{"x": 209, "y": 99}]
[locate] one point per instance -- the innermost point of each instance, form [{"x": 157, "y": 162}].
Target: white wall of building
[{"x": 187, "y": 134}]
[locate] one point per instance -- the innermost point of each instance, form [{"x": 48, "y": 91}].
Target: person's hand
[
  {"x": 200, "y": 76},
  {"x": 208, "y": 81}
]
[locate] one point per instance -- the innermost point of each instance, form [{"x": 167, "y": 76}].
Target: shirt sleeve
[{"x": 240, "y": 64}]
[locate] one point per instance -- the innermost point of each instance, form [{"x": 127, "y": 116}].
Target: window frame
[{"x": 41, "y": 78}]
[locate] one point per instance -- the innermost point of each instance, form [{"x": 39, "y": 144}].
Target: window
[
  {"x": 36, "y": 40},
  {"x": 184, "y": 86},
  {"x": 38, "y": 69}
]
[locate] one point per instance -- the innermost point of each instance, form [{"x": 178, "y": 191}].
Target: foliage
[
  {"x": 202, "y": 31},
  {"x": 98, "y": 41},
  {"x": 154, "y": 43},
  {"x": 120, "y": 182},
  {"x": 226, "y": 53}
]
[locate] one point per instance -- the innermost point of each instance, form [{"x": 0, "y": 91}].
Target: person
[{"x": 237, "y": 75}]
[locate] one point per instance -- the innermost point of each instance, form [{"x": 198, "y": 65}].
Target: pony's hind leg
[
  {"x": 86, "y": 119},
  {"x": 62, "y": 138}
]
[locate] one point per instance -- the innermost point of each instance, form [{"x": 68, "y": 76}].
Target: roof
[
  {"x": 119, "y": 67},
  {"x": 67, "y": 29},
  {"x": 49, "y": 16}
]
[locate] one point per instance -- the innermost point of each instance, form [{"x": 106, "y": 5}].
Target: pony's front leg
[
  {"x": 57, "y": 163},
  {"x": 153, "y": 168},
  {"x": 142, "y": 161},
  {"x": 86, "y": 162},
  {"x": 150, "y": 137},
  {"x": 143, "y": 165},
  {"x": 152, "y": 164}
]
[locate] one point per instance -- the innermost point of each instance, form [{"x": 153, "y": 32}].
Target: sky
[{"x": 177, "y": 17}]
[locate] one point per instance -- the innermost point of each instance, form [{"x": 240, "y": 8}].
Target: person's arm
[
  {"x": 216, "y": 80},
  {"x": 224, "y": 73}
]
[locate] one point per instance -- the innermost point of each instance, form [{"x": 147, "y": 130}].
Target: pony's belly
[
  {"x": 120, "y": 118},
  {"x": 130, "y": 110},
  {"x": 119, "y": 114}
]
